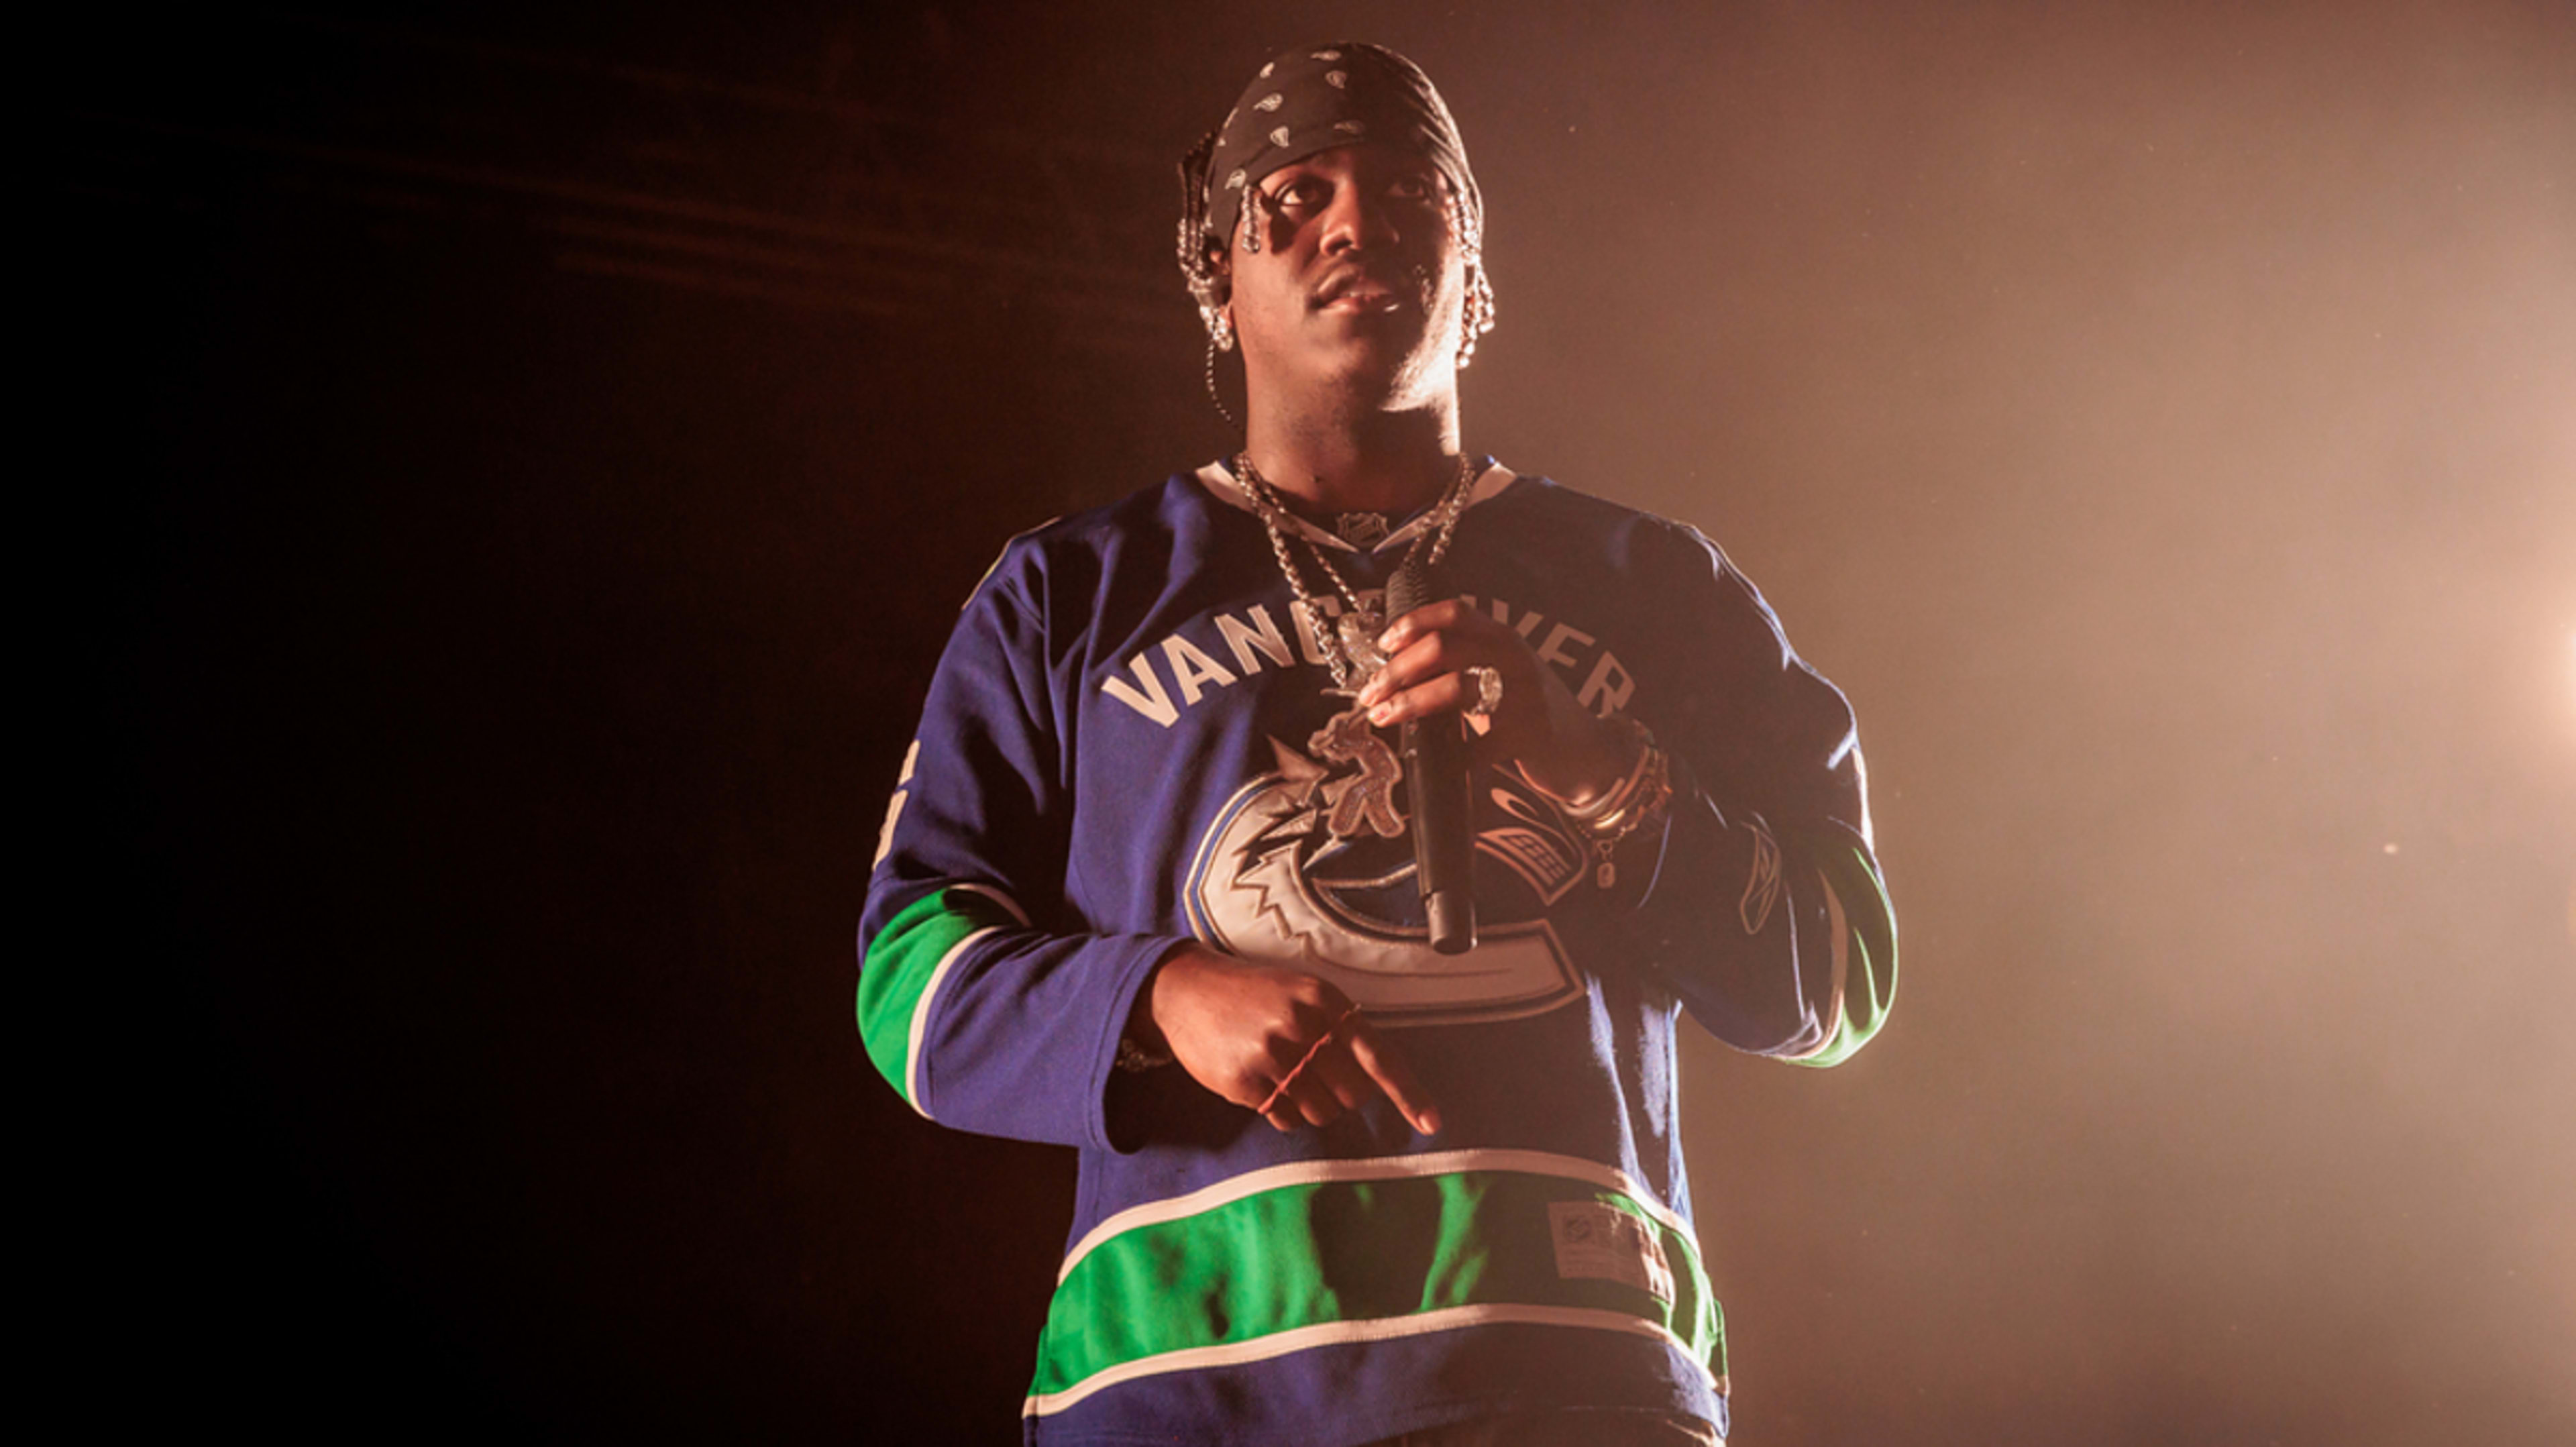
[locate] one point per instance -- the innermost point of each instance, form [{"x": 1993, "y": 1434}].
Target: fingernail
[
  {"x": 1430, "y": 1122},
  {"x": 1391, "y": 640},
  {"x": 1381, "y": 713}
]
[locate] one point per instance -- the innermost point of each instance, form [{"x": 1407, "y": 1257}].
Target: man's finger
[
  {"x": 1312, "y": 1099},
  {"x": 1429, "y": 618},
  {"x": 1342, "y": 1075},
  {"x": 1426, "y": 657},
  {"x": 1446, "y": 694},
  {"x": 1386, "y": 1066}
]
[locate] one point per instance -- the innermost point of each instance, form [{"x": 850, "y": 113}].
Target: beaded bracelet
[
  {"x": 1623, "y": 809},
  {"x": 1643, "y": 805}
]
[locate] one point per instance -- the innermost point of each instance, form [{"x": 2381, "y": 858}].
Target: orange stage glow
[{"x": 545, "y": 456}]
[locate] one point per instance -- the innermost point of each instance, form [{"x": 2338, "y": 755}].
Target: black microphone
[{"x": 1435, "y": 773}]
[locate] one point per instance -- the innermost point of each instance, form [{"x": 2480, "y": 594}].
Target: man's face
[{"x": 1359, "y": 282}]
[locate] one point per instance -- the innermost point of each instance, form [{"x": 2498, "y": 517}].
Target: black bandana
[{"x": 1315, "y": 98}]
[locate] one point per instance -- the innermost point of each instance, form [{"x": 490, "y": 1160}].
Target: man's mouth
[{"x": 1356, "y": 291}]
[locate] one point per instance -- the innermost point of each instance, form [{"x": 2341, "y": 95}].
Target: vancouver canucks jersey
[{"x": 1132, "y": 742}]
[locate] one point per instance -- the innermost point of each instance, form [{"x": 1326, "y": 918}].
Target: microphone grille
[{"x": 1414, "y": 584}]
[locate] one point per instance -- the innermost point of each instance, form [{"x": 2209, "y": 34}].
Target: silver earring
[
  {"x": 1476, "y": 313},
  {"x": 1476, "y": 316},
  {"x": 1216, "y": 394}
]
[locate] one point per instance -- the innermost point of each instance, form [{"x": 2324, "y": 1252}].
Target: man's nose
[{"x": 1357, "y": 218}]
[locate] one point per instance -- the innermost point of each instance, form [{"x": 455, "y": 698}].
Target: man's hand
[
  {"x": 1562, "y": 746},
  {"x": 1266, "y": 1036}
]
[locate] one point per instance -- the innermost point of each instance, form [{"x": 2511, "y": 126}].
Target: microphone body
[{"x": 1443, "y": 799}]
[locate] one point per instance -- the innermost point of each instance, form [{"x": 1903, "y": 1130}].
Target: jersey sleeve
[
  {"x": 1766, "y": 915},
  {"x": 982, "y": 998}
]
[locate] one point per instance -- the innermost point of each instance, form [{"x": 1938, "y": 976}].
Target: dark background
[{"x": 531, "y": 462}]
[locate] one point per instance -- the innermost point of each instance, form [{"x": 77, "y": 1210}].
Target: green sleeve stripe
[
  {"x": 1864, "y": 954},
  {"x": 1326, "y": 1261},
  {"x": 905, "y": 964}
]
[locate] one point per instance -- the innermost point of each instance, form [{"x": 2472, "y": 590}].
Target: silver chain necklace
[{"x": 1349, "y": 645}]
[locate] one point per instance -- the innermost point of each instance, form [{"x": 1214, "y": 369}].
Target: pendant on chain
[
  {"x": 1358, "y": 630},
  {"x": 1349, "y": 646}
]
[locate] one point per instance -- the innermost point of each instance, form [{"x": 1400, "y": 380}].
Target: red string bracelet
[{"x": 1308, "y": 1058}]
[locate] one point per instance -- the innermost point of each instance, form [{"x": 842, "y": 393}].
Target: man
[{"x": 1146, "y": 887}]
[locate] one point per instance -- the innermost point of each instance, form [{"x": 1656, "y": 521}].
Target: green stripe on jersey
[
  {"x": 1869, "y": 970},
  {"x": 903, "y": 962},
  {"x": 1313, "y": 1255}
]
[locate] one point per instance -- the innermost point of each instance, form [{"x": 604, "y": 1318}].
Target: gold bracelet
[
  {"x": 1598, "y": 812},
  {"x": 1645, "y": 805},
  {"x": 1625, "y": 807}
]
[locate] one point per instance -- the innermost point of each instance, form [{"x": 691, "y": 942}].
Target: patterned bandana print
[{"x": 1317, "y": 97}]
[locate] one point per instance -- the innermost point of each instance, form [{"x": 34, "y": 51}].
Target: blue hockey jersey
[{"x": 1126, "y": 748}]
